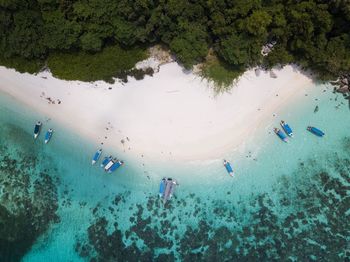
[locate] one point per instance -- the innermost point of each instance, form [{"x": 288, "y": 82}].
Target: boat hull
[
  {"x": 37, "y": 129},
  {"x": 287, "y": 129},
  {"x": 228, "y": 167},
  {"x": 115, "y": 166},
  {"x": 162, "y": 187},
  {"x": 281, "y": 135},
  {"x": 96, "y": 156},
  {"x": 106, "y": 161},
  {"x": 166, "y": 190},
  {"x": 316, "y": 131},
  {"x": 48, "y": 137},
  {"x": 109, "y": 165}
]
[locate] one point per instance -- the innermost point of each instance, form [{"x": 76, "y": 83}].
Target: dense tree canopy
[{"x": 312, "y": 33}]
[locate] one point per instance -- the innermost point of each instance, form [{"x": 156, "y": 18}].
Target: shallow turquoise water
[{"x": 287, "y": 201}]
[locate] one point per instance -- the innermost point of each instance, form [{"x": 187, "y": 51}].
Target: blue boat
[
  {"x": 280, "y": 134},
  {"x": 162, "y": 186},
  {"x": 315, "y": 131},
  {"x": 106, "y": 161},
  {"x": 96, "y": 156},
  {"x": 167, "y": 188},
  {"x": 228, "y": 167},
  {"x": 48, "y": 135},
  {"x": 287, "y": 128},
  {"x": 37, "y": 129},
  {"x": 115, "y": 166}
]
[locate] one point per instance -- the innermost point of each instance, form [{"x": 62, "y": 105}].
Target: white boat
[{"x": 110, "y": 164}]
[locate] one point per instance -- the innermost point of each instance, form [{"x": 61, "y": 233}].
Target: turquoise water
[{"x": 287, "y": 202}]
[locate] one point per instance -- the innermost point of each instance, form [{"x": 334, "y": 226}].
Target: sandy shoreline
[{"x": 170, "y": 116}]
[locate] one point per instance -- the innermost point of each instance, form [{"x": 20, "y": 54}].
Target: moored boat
[
  {"x": 228, "y": 167},
  {"x": 96, "y": 156},
  {"x": 287, "y": 129},
  {"x": 37, "y": 129},
  {"x": 106, "y": 161},
  {"x": 115, "y": 166},
  {"x": 48, "y": 135},
  {"x": 280, "y": 134},
  {"x": 162, "y": 186},
  {"x": 316, "y": 131},
  {"x": 110, "y": 164},
  {"x": 168, "y": 189}
]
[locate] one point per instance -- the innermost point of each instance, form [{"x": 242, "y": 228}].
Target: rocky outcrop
[{"x": 342, "y": 84}]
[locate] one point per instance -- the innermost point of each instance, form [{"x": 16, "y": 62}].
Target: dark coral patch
[
  {"x": 306, "y": 219},
  {"x": 28, "y": 200}
]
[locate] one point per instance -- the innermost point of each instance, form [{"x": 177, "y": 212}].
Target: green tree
[
  {"x": 26, "y": 37},
  {"x": 257, "y": 23},
  {"x": 312, "y": 33},
  {"x": 238, "y": 50},
  {"x": 191, "y": 46},
  {"x": 90, "y": 42},
  {"x": 60, "y": 33}
]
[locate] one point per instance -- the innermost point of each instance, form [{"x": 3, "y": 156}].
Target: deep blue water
[{"x": 287, "y": 202}]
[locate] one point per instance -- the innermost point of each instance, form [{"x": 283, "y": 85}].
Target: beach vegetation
[
  {"x": 191, "y": 46},
  {"x": 104, "y": 65},
  {"x": 220, "y": 73},
  {"x": 23, "y": 65},
  {"x": 237, "y": 51},
  {"x": 279, "y": 56},
  {"x": 311, "y": 33}
]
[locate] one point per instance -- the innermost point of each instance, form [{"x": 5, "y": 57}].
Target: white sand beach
[{"x": 173, "y": 115}]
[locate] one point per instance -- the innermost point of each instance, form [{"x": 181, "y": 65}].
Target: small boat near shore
[
  {"x": 167, "y": 188},
  {"x": 228, "y": 167},
  {"x": 110, "y": 164},
  {"x": 37, "y": 129},
  {"x": 106, "y": 161},
  {"x": 162, "y": 186},
  {"x": 280, "y": 134},
  {"x": 287, "y": 129},
  {"x": 315, "y": 131},
  {"x": 48, "y": 135},
  {"x": 96, "y": 156},
  {"x": 116, "y": 165}
]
